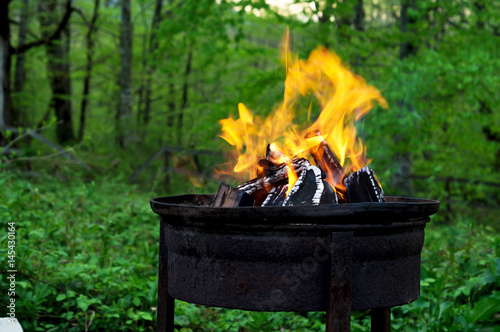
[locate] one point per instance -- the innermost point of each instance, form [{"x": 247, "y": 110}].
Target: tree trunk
[
  {"x": 359, "y": 16},
  {"x": 144, "y": 69},
  {"x": 58, "y": 67},
  {"x": 20, "y": 71},
  {"x": 324, "y": 22},
  {"x": 153, "y": 45},
  {"x": 171, "y": 102},
  {"x": 326, "y": 13},
  {"x": 479, "y": 9},
  {"x": 402, "y": 180},
  {"x": 406, "y": 25},
  {"x": 344, "y": 14},
  {"x": 124, "y": 114},
  {"x": 88, "y": 69},
  {"x": 359, "y": 24},
  {"x": 171, "y": 87},
  {"x": 489, "y": 131},
  {"x": 185, "y": 91},
  {"x": 5, "y": 49}
]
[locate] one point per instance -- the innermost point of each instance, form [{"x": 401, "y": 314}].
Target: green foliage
[
  {"x": 86, "y": 255},
  {"x": 442, "y": 102},
  {"x": 460, "y": 281}
]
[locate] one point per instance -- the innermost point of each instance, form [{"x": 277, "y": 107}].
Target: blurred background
[{"x": 108, "y": 103}]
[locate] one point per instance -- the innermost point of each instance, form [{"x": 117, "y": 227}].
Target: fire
[
  {"x": 292, "y": 177},
  {"x": 343, "y": 97}
]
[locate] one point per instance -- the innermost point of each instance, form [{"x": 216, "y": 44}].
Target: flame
[
  {"x": 277, "y": 156},
  {"x": 292, "y": 177},
  {"x": 343, "y": 97},
  {"x": 194, "y": 181}
]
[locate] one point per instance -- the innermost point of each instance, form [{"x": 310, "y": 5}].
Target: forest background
[{"x": 92, "y": 90}]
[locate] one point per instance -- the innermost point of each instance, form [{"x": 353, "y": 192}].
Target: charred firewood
[
  {"x": 276, "y": 196},
  {"x": 263, "y": 166},
  {"x": 308, "y": 189},
  {"x": 260, "y": 187},
  {"x": 362, "y": 186},
  {"x": 228, "y": 196},
  {"x": 329, "y": 195},
  {"x": 266, "y": 181},
  {"x": 327, "y": 161},
  {"x": 276, "y": 156}
]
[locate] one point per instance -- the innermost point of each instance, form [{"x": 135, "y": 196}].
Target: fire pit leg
[
  {"x": 166, "y": 303},
  {"x": 338, "y": 312},
  {"x": 381, "y": 320}
]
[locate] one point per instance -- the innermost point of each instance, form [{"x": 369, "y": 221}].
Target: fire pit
[
  {"x": 310, "y": 229},
  {"x": 331, "y": 258}
]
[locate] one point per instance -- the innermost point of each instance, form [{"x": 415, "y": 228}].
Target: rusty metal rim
[
  {"x": 306, "y": 229},
  {"x": 394, "y": 209}
]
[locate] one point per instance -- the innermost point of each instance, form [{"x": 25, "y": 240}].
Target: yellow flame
[
  {"x": 343, "y": 96},
  {"x": 292, "y": 177}
]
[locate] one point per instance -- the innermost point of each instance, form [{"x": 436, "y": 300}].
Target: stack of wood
[{"x": 271, "y": 186}]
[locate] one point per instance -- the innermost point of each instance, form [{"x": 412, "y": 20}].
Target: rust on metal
[{"x": 280, "y": 259}]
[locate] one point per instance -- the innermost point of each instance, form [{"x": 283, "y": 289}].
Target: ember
[{"x": 324, "y": 163}]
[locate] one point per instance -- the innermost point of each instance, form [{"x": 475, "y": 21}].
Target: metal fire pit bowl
[{"x": 301, "y": 258}]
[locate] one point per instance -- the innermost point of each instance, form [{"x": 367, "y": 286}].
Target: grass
[{"x": 87, "y": 252}]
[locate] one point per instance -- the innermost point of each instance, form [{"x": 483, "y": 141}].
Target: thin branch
[
  {"x": 27, "y": 133},
  {"x": 64, "y": 21},
  {"x": 44, "y": 157},
  {"x": 31, "y": 33},
  {"x": 82, "y": 15},
  {"x": 49, "y": 143}
]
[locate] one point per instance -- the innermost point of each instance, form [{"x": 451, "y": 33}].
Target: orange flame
[{"x": 343, "y": 97}]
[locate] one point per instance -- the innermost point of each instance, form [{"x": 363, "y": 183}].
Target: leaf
[
  {"x": 23, "y": 284},
  {"x": 484, "y": 308},
  {"x": 131, "y": 314},
  {"x": 136, "y": 301},
  {"x": 60, "y": 297},
  {"x": 82, "y": 302},
  {"x": 145, "y": 315}
]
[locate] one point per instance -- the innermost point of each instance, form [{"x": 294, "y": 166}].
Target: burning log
[
  {"x": 263, "y": 166},
  {"x": 275, "y": 156},
  {"x": 362, "y": 186},
  {"x": 260, "y": 186},
  {"x": 271, "y": 187},
  {"x": 228, "y": 196},
  {"x": 327, "y": 161},
  {"x": 310, "y": 189},
  {"x": 276, "y": 196}
]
